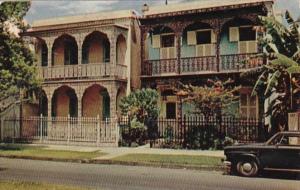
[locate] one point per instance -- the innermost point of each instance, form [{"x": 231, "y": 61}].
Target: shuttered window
[{"x": 248, "y": 106}]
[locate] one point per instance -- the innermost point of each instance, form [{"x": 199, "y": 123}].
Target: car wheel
[{"x": 247, "y": 168}]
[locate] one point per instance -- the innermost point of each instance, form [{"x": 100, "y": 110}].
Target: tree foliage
[
  {"x": 210, "y": 98},
  {"x": 17, "y": 71},
  {"x": 281, "y": 48},
  {"x": 140, "y": 104}
]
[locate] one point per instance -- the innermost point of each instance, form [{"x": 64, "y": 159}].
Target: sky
[{"x": 51, "y": 9}]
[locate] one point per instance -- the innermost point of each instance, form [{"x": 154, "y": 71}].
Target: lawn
[
  {"x": 9, "y": 185},
  {"x": 40, "y": 152},
  {"x": 171, "y": 159}
]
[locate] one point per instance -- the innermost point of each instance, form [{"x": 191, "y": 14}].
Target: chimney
[{"x": 145, "y": 8}]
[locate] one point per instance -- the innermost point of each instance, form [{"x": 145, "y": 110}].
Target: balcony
[
  {"x": 200, "y": 65},
  {"x": 83, "y": 71}
]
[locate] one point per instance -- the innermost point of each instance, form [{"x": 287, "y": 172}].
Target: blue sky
[{"x": 51, "y": 9}]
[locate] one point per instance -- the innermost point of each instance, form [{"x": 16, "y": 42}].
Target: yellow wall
[
  {"x": 62, "y": 103},
  {"x": 92, "y": 102},
  {"x": 96, "y": 52},
  {"x": 121, "y": 50},
  {"x": 59, "y": 53}
]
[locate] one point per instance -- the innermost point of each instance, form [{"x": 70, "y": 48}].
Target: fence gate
[{"x": 60, "y": 130}]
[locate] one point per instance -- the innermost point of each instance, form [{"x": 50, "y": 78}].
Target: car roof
[{"x": 290, "y": 132}]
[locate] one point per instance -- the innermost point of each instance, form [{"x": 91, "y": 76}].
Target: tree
[
  {"x": 281, "y": 49},
  {"x": 140, "y": 104},
  {"x": 142, "y": 109},
  {"x": 210, "y": 98},
  {"x": 17, "y": 70}
]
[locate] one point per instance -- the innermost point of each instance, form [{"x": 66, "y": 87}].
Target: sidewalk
[{"x": 113, "y": 152}]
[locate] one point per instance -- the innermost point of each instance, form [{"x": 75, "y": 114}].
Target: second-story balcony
[
  {"x": 83, "y": 71},
  {"x": 201, "y": 65}
]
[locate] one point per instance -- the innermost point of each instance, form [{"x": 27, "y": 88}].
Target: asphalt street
[{"x": 132, "y": 177}]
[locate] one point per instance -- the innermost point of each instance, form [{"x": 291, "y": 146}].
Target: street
[{"x": 131, "y": 177}]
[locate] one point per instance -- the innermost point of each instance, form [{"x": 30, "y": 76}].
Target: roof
[
  {"x": 196, "y": 5},
  {"x": 85, "y": 18}
]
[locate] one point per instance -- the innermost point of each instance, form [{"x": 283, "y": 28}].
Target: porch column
[
  {"x": 218, "y": 41},
  {"x": 49, "y": 97},
  {"x": 79, "y": 104},
  {"x": 113, "y": 47},
  {"x": 113, "y": 99},
  {"x": 178, "y": 36},
  {"x": 49, "y": 42},
  {"x": 145, "y": 68}
]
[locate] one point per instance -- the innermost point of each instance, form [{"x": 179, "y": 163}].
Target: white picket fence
[{"x": 61, "y": 130}]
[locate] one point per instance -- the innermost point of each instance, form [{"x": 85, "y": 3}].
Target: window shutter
[
  {"x": 243, "y": 47},
  {"x": 213, "y": 37},
  {"x": 172, "y": 52},
  {"x": 200, "y": 50},
  {"x": 191, "y": 38},
  {"x": 252, "y": 47},
  {"x": 234, "y": 34},
  {"x": 156, "y": 41},
  {"x": 209, "y": 50},
  {"x": 163, "y": 53}
]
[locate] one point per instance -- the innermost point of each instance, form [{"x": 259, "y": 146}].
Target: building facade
[
  {"x": 86, "y": 63},
  {"x": 193, "y": 42}
]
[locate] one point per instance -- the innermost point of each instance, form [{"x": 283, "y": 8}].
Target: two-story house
[
  {"x": 86, "y": 62},
  {"x": 196, "y": 41}
]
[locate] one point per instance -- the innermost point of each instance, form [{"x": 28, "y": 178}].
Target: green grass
[
  {"x": 40, "y": 152},
  {"x": 171, "y": 159},
  {"x": 10, "y": 185}
]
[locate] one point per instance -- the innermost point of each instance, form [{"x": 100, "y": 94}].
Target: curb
[{"x": 125, "y": 163}]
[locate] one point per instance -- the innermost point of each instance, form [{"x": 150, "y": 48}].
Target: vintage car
[{"x": 280, "y": 153}]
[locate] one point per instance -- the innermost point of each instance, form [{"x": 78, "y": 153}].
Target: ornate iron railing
[{"x": 83, "y": 71}]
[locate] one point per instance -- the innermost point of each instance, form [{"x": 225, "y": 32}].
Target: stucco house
[
  {"x": 196, "y": 41},
  {"x": 87, "y": 63}
]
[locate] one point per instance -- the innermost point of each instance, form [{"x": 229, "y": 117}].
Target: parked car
[{"x": 280, "y": 153}]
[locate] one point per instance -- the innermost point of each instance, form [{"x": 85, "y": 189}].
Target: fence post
[
  {"x": 41, "y": 127},
  {"x": 117, "y": 131},
  {"x": 1, "y": 128},
  {"x": 68, "y": 128},
  {"x": 98, "y": 130}
]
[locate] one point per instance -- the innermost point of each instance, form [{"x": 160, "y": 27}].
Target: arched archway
[
  {"x": 64, "y": 102},
  {"x": 65, "y": 51},
  {"x": 121, "y": 49},
  {"x": 41, "y": 52},
  {"x": 198, "y": 40},
  {"x": 96, "y": 48},
  {"x": 120, "y": 94},
  {"x": 160, "y": 43},
  {"x": 96, "y": 102},
  {"x": 238, "y": 37},
  {"x": 43, "y": 103}
]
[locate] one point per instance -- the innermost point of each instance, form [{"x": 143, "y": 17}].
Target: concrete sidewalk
[{"x": 113, "y": 152}]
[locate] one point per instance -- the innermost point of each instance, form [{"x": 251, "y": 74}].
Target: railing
[
  {"x": 60, "y": 130},
  {"x": 200, "y": 65},
  {"x": 160, "y": 67},
  {"x": 197, "y": 132},
  {"x": 237, "y": 62},
  {"x": 83, "y": 71}
]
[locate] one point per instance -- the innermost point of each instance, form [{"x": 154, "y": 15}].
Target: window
[
  {"x": 171, "y": 110},
  {"x": 248, "y": 106},
  {"x": 247, "y": 33},
  {"x": 44, "y": 55},
  {"x": 204, "y": 37},
  {"x": 168, "y": 40},
  {"x": 106, "y": 46}
]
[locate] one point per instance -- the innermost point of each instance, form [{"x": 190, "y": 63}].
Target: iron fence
[
  {"x": 60, "y": 130},
  {"x": 193, "y": 132}
]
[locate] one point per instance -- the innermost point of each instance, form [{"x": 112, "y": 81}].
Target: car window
[
  {"x": 275, "y": 140},
  {"x": 290, "y": 140}
]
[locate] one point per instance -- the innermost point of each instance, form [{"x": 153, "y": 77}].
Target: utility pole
[{"x": 166, "y": 2}]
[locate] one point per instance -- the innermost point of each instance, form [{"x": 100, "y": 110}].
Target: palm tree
[{"x": 281, "y": 48}]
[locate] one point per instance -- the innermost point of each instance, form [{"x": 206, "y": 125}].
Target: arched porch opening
[
  {"x": 96, "y": 48},
  {"x": 65, "y": 51},
  {"x": 96, "y": 102},
  {"x": 64, "y": 102},
  {"x": 121, "y": 49}
]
